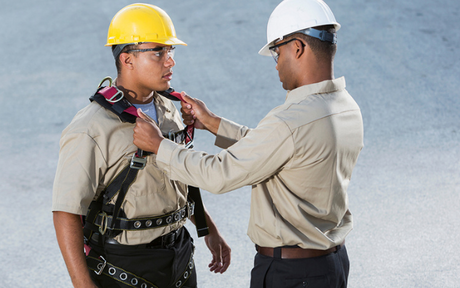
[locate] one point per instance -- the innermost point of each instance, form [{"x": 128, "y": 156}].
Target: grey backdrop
[{"x": 401, "y": 63}]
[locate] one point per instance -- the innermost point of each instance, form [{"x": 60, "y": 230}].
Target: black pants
[
  {"x": 329, "y": 271},
  {"x": 163, "y": 267}
]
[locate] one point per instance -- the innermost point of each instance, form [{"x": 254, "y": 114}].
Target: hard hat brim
[
  {"x": 265, "y": 51},
  {"x": 170, "y": 41}
]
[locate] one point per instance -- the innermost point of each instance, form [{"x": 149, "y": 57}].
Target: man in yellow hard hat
[
  {"x": 298, "y": 160},
  {"x": 134, "y": 234}
]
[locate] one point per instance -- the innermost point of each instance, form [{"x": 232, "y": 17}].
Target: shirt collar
[{"x": 327, "y": 86}]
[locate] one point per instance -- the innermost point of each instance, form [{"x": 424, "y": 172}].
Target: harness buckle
[
  {"x": 138, "y": 162},
  {"x": 103, "y": 227},
  {"x": 190, "y": 209},
  {"x": 101, "y": 266}
]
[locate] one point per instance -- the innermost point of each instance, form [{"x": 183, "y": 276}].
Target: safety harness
[{"x": 109, "y": 220}]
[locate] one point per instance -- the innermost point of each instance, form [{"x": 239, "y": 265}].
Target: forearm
[
  {"x": 209, "y": 222},
  {"x": 212, "y": 125},
  {"x": 69, "y": 234}
]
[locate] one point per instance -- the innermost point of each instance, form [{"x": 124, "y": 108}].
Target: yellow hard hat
[{"x": 137, "y": 23}]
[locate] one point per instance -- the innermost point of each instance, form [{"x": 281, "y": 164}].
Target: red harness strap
[{"x": 113, "y": 95}]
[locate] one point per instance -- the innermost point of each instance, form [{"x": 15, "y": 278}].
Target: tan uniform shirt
[
  {"x": 299, "y": 161},
  {"x": 95, "y": 147}
]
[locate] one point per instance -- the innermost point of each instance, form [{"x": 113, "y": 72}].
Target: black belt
[{"x": 294, "y": 252}]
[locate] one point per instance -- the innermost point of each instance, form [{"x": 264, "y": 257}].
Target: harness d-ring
[{"x": 107, "y": 78}]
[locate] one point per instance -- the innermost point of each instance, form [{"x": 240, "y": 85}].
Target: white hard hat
[{"x": 294, "y": 15}]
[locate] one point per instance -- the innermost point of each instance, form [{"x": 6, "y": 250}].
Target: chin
[{"x": 163, "y": 87}]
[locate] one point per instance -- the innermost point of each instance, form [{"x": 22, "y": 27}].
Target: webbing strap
[
  {"x": 124, "y": 116},
  {"x": 100, "y": 266},
  {"x": 193, "y": 192},
  {"x": 201, "y": 225},
  {"x": 121, "y": 223},
  {"x": 129, "y": 179},
  {"x": 120, "y": 186}
]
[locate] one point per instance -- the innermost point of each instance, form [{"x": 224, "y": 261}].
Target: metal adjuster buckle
[
  {"x": 138, "y": 162},
  {"x": 103, "y": 227},
  {"x": 101, "y": 266},
  {"x": 190, "y": 209}
]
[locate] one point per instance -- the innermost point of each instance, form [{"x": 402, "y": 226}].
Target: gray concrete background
[{"x": 401, "y": 63}]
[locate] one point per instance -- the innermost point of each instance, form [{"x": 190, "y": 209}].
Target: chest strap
[{"x": 104, "y": 221}]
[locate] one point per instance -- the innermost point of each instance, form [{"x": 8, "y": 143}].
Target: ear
[
  {"x": 299, "y": 48},
  {"x": 126, "y": 60}
]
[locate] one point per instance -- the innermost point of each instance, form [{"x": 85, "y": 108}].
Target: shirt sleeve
[
  {"x": 80, "y": 168},
  {"x": 229, "y": 133},
  {"x": 255, "y": 157}
]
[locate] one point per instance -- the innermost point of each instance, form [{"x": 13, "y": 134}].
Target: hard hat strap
[{"x": 320, "y": 34}]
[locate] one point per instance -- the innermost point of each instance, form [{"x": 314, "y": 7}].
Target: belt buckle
[{"x": 101, "y": 266}]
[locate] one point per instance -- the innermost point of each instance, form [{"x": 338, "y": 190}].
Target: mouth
[{"x": 168, "y": 76}]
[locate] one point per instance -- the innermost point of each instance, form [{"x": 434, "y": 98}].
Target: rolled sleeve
[{"x": 229, "y": 133}]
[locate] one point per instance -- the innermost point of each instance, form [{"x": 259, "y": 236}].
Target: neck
[
  {"x": 316, "y": 73},
  {"x": 132, "y": 92},
  {"x": 313, "y": 69}
]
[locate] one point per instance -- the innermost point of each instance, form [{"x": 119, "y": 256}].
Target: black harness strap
[
  {"x": 201, "y": 225},
  {"x": 121, "y": 223},
  {"x": 100, "y": 266},
  {"x": 119, "y": 185}
]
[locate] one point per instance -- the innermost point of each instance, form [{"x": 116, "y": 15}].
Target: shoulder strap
[{"x": 122, "y": 108}]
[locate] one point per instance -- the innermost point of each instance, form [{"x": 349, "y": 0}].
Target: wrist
[
  {"x": 156, "y": 145},
  {"x": 213, "y": 124}
]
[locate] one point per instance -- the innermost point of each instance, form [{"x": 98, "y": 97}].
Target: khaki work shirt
[
  {"x": 95, "y": 147},
  {"x": 299, "y": 161}
]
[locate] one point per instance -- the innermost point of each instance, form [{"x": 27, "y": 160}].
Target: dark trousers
[
  {"x": 163, "y": 267},
  {"x": 328, "y": 271}
]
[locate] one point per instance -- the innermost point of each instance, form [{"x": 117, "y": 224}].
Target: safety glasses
[
  {"x": 160, "y": 52},
  {"x": 275, "y": 51}
]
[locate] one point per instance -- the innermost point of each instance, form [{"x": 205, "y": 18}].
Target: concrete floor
[{"x": 401, "y": 63}]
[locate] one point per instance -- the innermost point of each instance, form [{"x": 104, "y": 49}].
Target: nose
[{"x": 170, "y": 62}]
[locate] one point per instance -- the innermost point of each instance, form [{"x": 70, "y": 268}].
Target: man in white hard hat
[
  {"x": 134, "y": 232},
  {"x": 298, "y": 160}
]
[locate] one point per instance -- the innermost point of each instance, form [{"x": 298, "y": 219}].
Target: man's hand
[
  {"x": 221, "y": 253},
  {"x": 195, "y": 112},
  {"x": 147, "y": 136}
]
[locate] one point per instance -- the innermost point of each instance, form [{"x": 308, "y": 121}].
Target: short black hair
[
  {"x": 126, "y": 48},
  {"x": 322, "y": 49}
]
